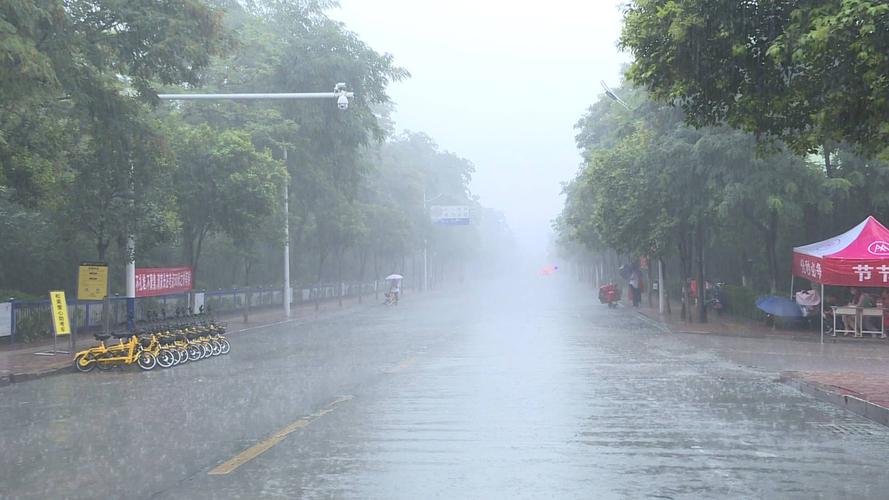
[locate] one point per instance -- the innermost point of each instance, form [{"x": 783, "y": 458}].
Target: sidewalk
[
  {"x": 860, "y": 393},
  {"x": 726, "y": 325},
  {"x": 852, "y": 373},
  {"x": 21, "y": 363}
]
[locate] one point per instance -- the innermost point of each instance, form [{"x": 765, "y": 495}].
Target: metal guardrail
[{"x": 35, "y": 315}]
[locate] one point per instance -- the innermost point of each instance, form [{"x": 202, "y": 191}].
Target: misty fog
[
  {"x": 622, "y": 249},
  {"x": 502, "y": 84}
]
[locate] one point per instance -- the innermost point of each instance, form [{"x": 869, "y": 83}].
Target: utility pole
[
  {"x": 425, "y": 245},
  {"x": 131, "y": 256},
  {"x": 661, "y": 292}
]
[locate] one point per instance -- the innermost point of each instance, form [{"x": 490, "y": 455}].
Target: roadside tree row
[
  {"x": 752, "y": 127},
  {"x": 89, "y": 154}
]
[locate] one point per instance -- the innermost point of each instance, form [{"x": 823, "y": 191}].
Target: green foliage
[
  {"x": 741, "y": 302},
  {"x": 88, "y": 156},
  {"x": 653, "y": 186},
  {"x": 6, "y": 294},
  {"x": 34, "y": 327},
  {"x": 71, "y": 67},
  {"x": 222, "y": 184},
  {"x": 806, "y": 73}
]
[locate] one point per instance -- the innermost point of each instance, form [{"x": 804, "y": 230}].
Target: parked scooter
[
  {"x": 609, "y": 294},
  {"x": 715, "y": 297}
]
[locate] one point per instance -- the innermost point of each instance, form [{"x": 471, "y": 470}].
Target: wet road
[{"x": 519, "y": 391}]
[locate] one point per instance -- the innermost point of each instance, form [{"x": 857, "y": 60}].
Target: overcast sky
[{"x": 501, "y": 83}]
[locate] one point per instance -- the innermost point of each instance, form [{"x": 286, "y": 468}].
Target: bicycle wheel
[
  {"x": 183, "y": 355},
  {"x": 146, "y": 360},
  {"x": 207, "y": 350},
  {"x": 166, "y": 358},
  {"x": 225, "y": 346},
  {"x": 85, "y": 362},
  {"x": 101, "y": 362},
  {"x": 215, "y": 348},
  {"x": 194, "y": 352}
]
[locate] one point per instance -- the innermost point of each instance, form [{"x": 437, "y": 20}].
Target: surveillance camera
[{"x": 342, "y": 102}]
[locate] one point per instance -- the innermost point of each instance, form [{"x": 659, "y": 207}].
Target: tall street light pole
[
  {"x": 614, "y": 97},
  {"x": 660, "y": 261},
  {"x": 287, "y": 298},
  {"x": 342, "y": 97}
]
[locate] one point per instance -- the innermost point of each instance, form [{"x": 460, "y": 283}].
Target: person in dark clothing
[{"x": 635, "y": 287}]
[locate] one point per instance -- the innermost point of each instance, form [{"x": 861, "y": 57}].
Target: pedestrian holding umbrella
[{"x": 394, "y": 288}]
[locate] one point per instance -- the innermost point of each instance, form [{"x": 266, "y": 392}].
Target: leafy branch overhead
[{"x": 807, "y": 73}]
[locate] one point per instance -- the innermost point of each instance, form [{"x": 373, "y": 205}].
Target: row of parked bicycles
[{"x": 159, "y": 341}]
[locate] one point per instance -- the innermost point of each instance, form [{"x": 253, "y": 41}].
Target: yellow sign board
[
  {"x": 92, "y": 281},
  {"x": 59, "y": 313}
]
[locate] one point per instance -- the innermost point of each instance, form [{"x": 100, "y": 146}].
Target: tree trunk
[
  {"x": 339, "y": 277},
  {"x": 811, "y": 223},
  {"x": 650, "y": 288},
  {"x": 187, "y": 244},
  {"x": 376, "y": 275},
  {"x": 828, "y": 166},
  {"x": 102, "y": 248},
  {"x": 769, "y": 232},
  {"x": 322, "y": 256},
  {"x": 699, "y": 251},
  {"x": 362, "y": 259},
  {"x": 771, "y": 238},
  {"x": 602, "y": 278},
  {"x": 247, "y": 294},
  {"x": 415, "y": 269},
  {"x": 684, "y": 273},
  {"x": 663, "y": 291},
  {"x": 192, "y": 243}
]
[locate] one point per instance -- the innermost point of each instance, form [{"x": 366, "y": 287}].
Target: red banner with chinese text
[
  {"x": 151, "y": 281},
  {"x": 842, "y": 272}
]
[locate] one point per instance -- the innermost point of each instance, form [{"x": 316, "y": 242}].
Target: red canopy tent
[{"x": 858, "y": 257}]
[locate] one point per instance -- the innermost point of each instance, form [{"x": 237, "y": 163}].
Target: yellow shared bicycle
[
  {"x": 159, "y": 341},
  {"x": 129, "y": 349}
]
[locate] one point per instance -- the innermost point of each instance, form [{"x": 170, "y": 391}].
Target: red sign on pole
[{"x": 151, "y": 281}]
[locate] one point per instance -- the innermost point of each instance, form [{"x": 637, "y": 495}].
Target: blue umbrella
[{"x": 779, "y": 306}]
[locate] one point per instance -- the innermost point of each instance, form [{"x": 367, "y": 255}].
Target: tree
[
  {"x": 222, "y": 183},
  {"x": 118, "y": 171},
  {"x": 810, "y": 73},
  {"x": 767, "y": 190},
  {"x": 63, "y": 64},
  {"x": 88, "y": 157}
]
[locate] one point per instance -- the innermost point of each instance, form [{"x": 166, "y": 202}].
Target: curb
[
  {"x": 793, "y": 338},
  {"x": 864, "y": 408},
  {"x": 657, "y": 323},
  {"x": 15, "y": 378}
]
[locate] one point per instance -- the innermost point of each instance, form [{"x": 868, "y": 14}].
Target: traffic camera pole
[
  {"x": 286, "y": 299},
  {"x": 342, "y": 97}
]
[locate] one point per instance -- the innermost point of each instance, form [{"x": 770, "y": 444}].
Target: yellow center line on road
[
  {"x": 401, "y": 366},
  {"x": 264, "y": 445}
]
